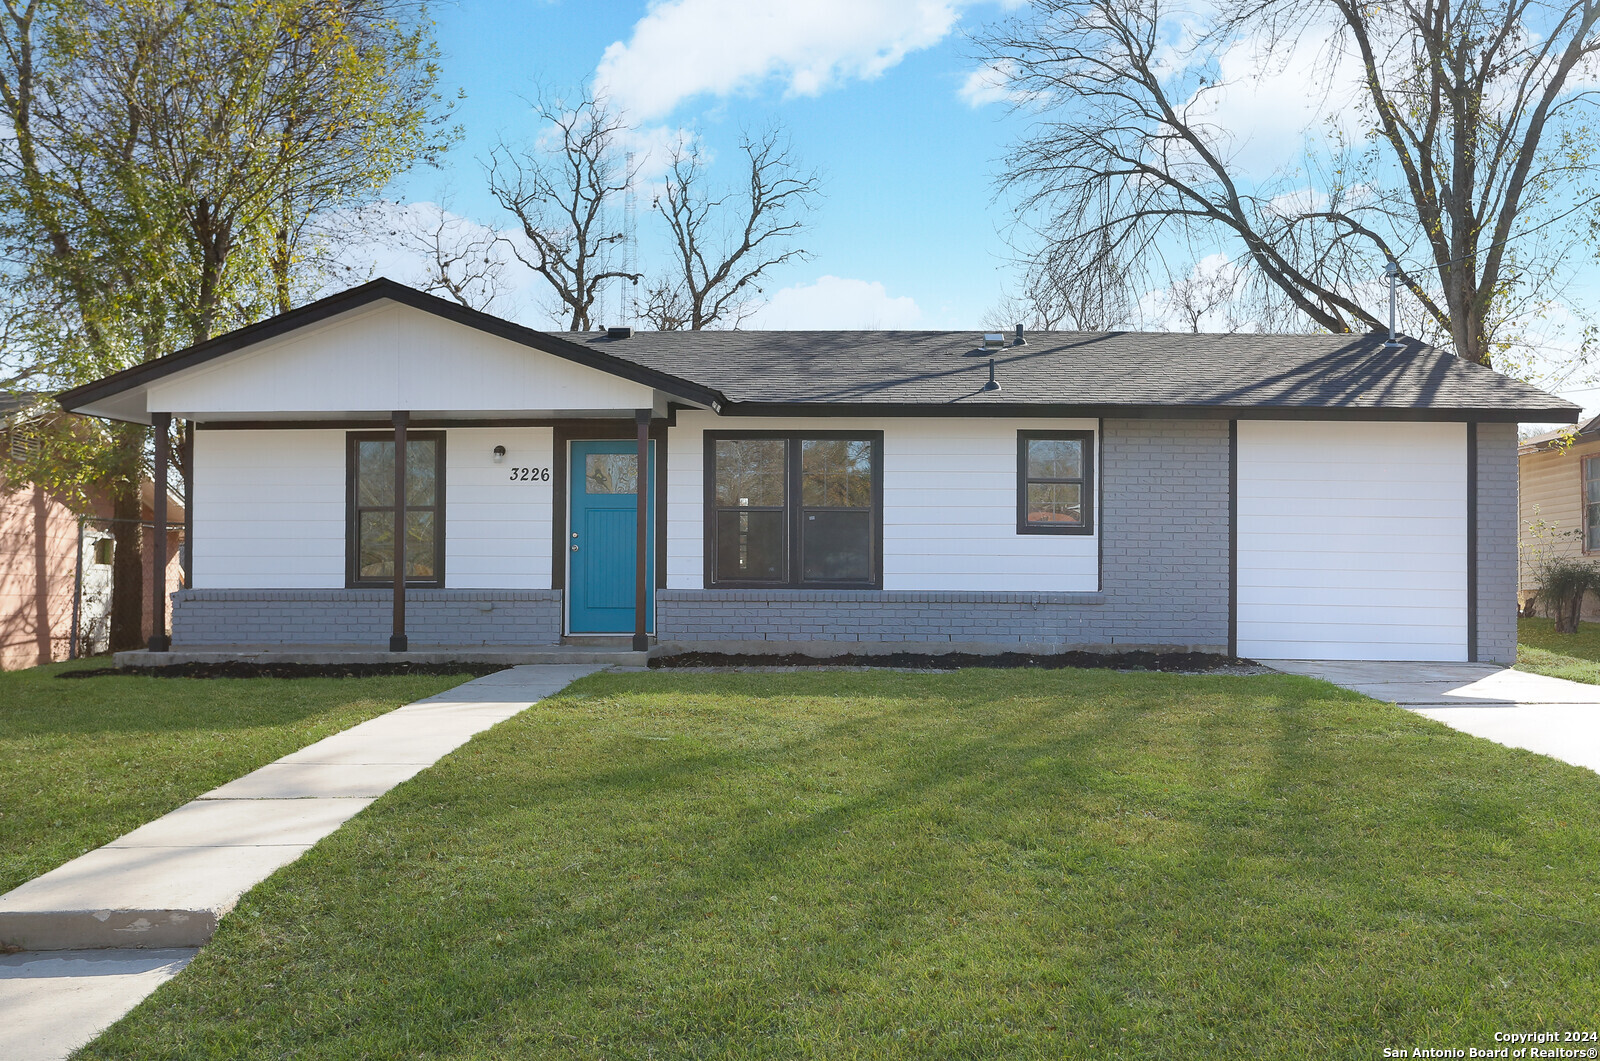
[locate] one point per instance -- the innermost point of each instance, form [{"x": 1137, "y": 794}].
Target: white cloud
[
  {"x": 991, "y": 83},
  {"x": 837, "y": 302},
  {"x": 1263, "y": 104},
  {"x": 687, "y": 48},
  {"x": 402, "y": 241}
]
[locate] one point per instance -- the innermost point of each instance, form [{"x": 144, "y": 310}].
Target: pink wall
[{"x": 38, "y": 543}]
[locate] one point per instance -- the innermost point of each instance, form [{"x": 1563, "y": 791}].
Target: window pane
[
  {"x": 374, "y": 473},
  {"x": 376, "y": 558},
  {"x": 750, "y": 472},
  {"x": 750, "y": 546},
  {"x": 1055, "y": 458},
  {"x": 836, "y": 473},
  {"x": 375, "y": 550},
  {"x": 611, "y": 473},
  {"x": 419, "y": 545},
  {"x": 1055, "y": 503},
  {"x": 837, "y": 546},
  {"x": 421, "y": 469}
]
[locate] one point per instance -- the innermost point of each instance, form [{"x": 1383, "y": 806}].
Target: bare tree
[
  {"x": 1199, "y": 297},
  {"x": 462, "y": 260},
  {"x": 562, "y": 193},
  {"x": 665, "y": 307},
  {"x": 723, "y": 244},
  {"x": 1057, "y": 292},
  {"x": 1475, "y": 142}
]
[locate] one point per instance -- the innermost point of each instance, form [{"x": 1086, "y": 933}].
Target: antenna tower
[{"x": 627, "y": 298}]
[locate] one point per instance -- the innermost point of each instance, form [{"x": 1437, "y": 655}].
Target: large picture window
[
  {"x": 1055, "y": 482},
  {"x": 794, "y": 509},
  {"x": 369, "y": 529}
]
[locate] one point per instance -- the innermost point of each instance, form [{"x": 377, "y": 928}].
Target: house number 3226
[{"x": 530, "y": 475}]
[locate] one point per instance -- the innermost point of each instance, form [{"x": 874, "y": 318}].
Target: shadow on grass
[{"x": 956, "y": 867}]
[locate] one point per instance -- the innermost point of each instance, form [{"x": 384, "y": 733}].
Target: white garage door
[{"x": 1352, "y": 540}]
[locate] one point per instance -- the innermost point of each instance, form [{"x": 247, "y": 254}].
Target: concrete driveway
[{"x": 1551, "y": 716}]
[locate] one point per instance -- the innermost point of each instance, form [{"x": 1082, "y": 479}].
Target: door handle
[{"x": 574, "y": 548}]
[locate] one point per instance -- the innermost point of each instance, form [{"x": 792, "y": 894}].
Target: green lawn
[
  {"x": 1541, "y": 650},
  {"x": 83, "y": 761},
  {"x": 985, "y": 864}
]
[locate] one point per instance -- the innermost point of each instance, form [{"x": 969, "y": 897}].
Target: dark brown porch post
[
  {"x": 397, "y": 639},
  {"x": 161, "y": 423},
  {"x": 641, "y": 558}
]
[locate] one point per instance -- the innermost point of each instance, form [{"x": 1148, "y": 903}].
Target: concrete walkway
[
  {"x": 165, "y": 885},
  {"x": 1551, "y": 716}
]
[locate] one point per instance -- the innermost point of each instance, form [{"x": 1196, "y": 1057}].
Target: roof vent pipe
[
  {"x": 1392, "y": 271},
  {"x": 993, "y": 384},
  {"x": 1019, "y": 340}
]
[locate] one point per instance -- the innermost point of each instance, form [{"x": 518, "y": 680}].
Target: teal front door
[{"x": 602, "y": 535}]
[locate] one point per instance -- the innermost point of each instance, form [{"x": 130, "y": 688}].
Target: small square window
[{"x": 1055, "y": 482}]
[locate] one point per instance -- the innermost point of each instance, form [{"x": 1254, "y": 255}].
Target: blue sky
[
  {"x": 885, "y": 97},
  {"x": 908, "y": 216}
]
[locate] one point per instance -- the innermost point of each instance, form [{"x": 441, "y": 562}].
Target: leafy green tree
[{"x": 168, "y": 163}]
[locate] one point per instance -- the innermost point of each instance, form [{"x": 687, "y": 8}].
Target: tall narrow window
[
  {"x": 1591, "y": 504},
  {"x": 1055, "y": 482},
  {"x": 793, "y": 509},
  {"x": 370, "y": 547},
  {"x": 751, "y": 532},
  {"x": 835, "y": 510}
]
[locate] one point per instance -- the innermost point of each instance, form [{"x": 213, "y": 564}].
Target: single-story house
[
  {"x": 1272, "y": 496},
  {"x": 1559, "y": 500}
]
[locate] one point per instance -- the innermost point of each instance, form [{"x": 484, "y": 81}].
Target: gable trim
[{"x": 375, "y": 291}]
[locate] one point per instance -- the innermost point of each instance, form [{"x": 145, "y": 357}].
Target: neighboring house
[
  {"x": 1322, "y": 496},
  {"x": 1559, "y": 510},
  {"x": 39, "y": 568}
]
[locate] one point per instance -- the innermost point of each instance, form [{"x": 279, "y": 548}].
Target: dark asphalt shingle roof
[
  {"x": 1074, "y": 368},
  {"x": 1055, "y": 373},
  {"x": 12, "y": 401}
]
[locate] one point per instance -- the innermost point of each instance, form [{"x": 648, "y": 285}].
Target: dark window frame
[
  {"x": 352, "y": 511},
  {"x": 793, "y": 509},
  {"x": 1088, "y": 482},
  {"x": 1583, "y": 489}
]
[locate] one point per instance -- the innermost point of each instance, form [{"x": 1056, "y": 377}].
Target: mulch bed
[
  {"x": 1146, "y": 661},
  {"x": 238, "y": 669}
]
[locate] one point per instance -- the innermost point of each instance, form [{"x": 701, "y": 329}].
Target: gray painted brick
[
  {"x": 361, "y": 616},
  {"x": 1164, "y": 516},
  {"x": 1497, "y": 543}
]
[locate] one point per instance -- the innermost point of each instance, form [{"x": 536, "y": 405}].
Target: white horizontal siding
[
  {"x": 949, "y": 505},
  {"x": 497, "y": 532},
  {"x": 269, "y": 509},
  {"x": 1352, "y": 540},
  {"x": 390, "y": 356}
]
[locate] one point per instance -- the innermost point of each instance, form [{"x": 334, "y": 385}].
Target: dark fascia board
[
  {"x": 1564, "y": 413},
  {"x": 375, "y": 291}
]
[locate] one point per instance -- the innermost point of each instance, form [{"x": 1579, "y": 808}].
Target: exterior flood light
[{"x": 499, "y": 454}]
